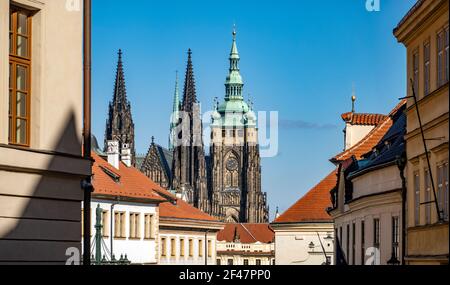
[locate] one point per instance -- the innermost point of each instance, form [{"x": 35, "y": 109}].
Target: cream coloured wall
[
  {"x": 292, "y": 243},
  {"x": 355, "y": 133},
  {"x": 41, "y": 184},
  {"x": 264, "y": 252},
  {"x": 138, "y": 251},
  {"x": 186, "y": 235}
]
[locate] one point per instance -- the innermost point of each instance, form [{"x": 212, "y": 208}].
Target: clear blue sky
[{"x": 298, "y": 57}]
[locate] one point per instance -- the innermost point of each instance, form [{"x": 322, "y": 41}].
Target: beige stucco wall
[
  {"x": 264, "y": 252},
  {"x": 40, "y": 192},
  {"x": 355, "y": 133},
  {"x": 426, "y": 243},
  {"x": 292, "y": 243}
]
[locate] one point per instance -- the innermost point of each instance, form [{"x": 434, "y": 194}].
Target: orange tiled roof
[
  {"x": 247, "y": 233},
  {"x": 312, "y": 207},
  {"x": 370, "y": 140},
  {"x": 363, "y": 119},
  {"x": 133, "y": 184},
  {"x": 181, "y": 210}
]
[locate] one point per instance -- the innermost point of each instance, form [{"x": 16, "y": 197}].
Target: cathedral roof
[
  {"x": 311, "y": 207},
  {"x": 247, "y": 233}
]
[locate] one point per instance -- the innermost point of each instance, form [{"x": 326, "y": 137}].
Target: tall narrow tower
[
  {"x": 189, "y": 165},
  {"x": 174, "y": 120},
  {"x": 234, "y": 153},
  {"x": 119, "y": 124}
]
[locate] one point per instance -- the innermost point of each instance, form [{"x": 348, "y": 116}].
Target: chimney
[
  {"x": 113, "y": 153},
  {"x": 126, "y": 155}
]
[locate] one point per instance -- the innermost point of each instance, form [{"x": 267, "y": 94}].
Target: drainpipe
[
  {"x": 86, "y": 184},
  {"x": 401, "y": 163},
  {"x": 206, "y": 247}
]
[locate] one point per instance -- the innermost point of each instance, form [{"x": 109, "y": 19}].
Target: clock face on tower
[{"x": 232, "y": 164}]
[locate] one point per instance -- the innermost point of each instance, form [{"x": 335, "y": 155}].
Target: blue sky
[{"x": 298, "y": 57}]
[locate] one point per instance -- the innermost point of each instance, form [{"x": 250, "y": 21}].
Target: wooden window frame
[
  {"x": 16, "y": 60},
  {"x": 426, "y": 68}
]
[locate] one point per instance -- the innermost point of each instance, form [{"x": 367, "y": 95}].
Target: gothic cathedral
[{"x": 227, "y": 182}]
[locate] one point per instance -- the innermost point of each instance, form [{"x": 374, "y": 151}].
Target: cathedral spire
[
  {"x": 189, "y": 96},
  {"x": 175, "y": 114},
  {"x": 234, "y": 84},
  {"x": 120, "y": 92}
]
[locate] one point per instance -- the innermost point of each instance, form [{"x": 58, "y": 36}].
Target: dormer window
[{"x": 111, "y": 174}]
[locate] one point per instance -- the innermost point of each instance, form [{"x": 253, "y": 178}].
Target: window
[
  {"x": 442, "y": 57},
  {"x": 135, "y": 226},
  {"x": 230, "y": 261},
  {"x": 241, "y": 133},
  {"x": 245, "y": 262},
  {"x": 19, "y": 76},
  {"x": 219, "y": 262},
  {"x": 416, "y": 71},
  {"x": 258, "y": 262},
  {"x": 426, "y": 69},
  {"x": 427, "y": 197},
  {"x": 173, "y": 247},
  {"x": 363, "y": 242},
  {"x": 376, "y": 233},
  {"x": 224, "y": 134},
  {"x": 105, "y": 224},
  {"x": 443, "y": 190},
  {"x": 163, "y": 247},
  {"x": 119, "y": 224},
  {"x": 395, "y": 236},
  {"x": 182, "y": 247},
  {"x": 191, "y": 248},
  {"x": 347, "y": 249},
  {"x": 353, "y": 244},
  {"x": 210, "y": 251},
  {"x": 200, "y": 248},
  {"x": 417, "y": 198},
  {"x": 148, "y": 227},
  {"x": 446, "y": 54}
]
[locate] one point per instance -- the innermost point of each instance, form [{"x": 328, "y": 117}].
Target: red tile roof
[
  {"x": 363, "y": 119},
  {"x": 247, "y": 233},
  {"x": 312, "y": 207},
  {"x": 370, "y": 140},
  {"x": 133, "y": 184},
  {"x": 181, "y": 209}
]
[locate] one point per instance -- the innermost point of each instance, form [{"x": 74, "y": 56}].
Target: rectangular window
[
  {"x": 119, "y": 225},
  {"x": 200, "y": 248},
  {"x": 19, "y": 77},
  {"x": 353, "y": 244},
  {"x": 230, "y": 261},
  {"x": 241, "y": 133},
  {"x": 443, "y": 190},
  {"x": 182, "y": 248},
  {"x": 191, "y": 248},
  {"x": 245, "y": 262},
  {"x": 363, "y": 242},
  {"x": 446, "y": 59},
  {"x": 148, "y": 227},
  {"x": 426, "y": 69},
  {"x": 416, "y": 72},
  {"x": 105, "y": 224},
  {"x": 219, "y": 262},
  {"x": 347, "y": 249},
  {"x": 417, "y": 198},
  {"x": 427, "y": 197},
  {"x": 258, "y": 262},
  {"x": 135, "y": 226},
  {"x": 210, "y": 250},
  {"x": 376, "y": 233},
  {"x": 395, "y": 237},
  {"x": 163, "y": 247},
  {"x": 173, "y": 247}
]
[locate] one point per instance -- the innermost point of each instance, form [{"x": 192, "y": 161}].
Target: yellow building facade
[{"x": 424, "y": 32}]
